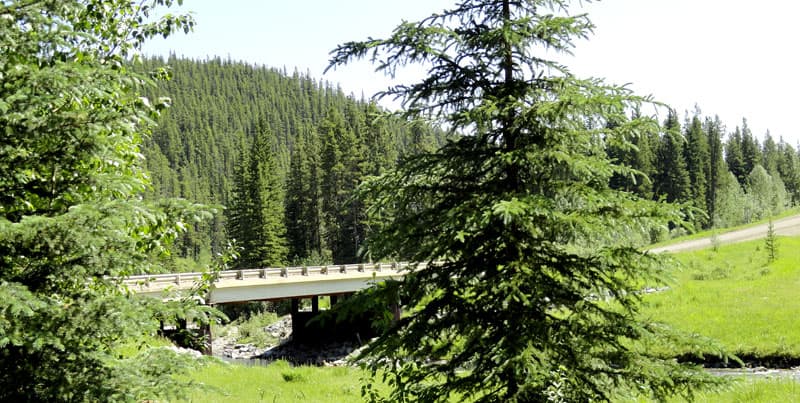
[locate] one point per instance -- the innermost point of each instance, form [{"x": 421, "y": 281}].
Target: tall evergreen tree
[
  {"x": 303, "y": 200},
  {"x": 770, "y": 156},
  {"x": 672, "y": 179},
  {"x": 257, "y": 214},
  {"x": 342, "y": 159},
  {"x": 751, "y": 151},
  {"x": 734, "y": 157},
  {"x": 515, "y": 218},
  {"x": 789, "y": 170},
  {"x": 717, "y": 170},
  {"x": 698, "y": 164}
]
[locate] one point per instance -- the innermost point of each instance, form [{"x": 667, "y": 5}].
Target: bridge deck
[{"x": 273, "y": 283}]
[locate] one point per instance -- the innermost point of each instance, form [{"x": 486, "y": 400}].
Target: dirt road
[{"x": 784, "y": 226}]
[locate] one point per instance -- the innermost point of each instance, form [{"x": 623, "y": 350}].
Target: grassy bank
[
  {"x": 735, "y": 296},
  {"x": 278, "y": 382}
]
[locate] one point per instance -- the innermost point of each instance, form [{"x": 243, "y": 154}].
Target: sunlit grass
[
  {"x": 277, "y": 382},
  {"x": 734, "y": 296}
]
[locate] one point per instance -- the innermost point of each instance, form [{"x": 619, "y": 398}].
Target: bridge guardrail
[{"x": 161, "y": 281}]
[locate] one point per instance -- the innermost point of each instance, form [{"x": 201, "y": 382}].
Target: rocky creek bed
[{"x": 332, "y": 354}]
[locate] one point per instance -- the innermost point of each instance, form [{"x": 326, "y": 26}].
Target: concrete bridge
[{"x": 269, "y": 284}]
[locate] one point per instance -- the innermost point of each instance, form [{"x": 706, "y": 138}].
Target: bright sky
[{"x": 733, "y": 58}]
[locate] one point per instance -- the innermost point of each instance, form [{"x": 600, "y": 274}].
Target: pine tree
[
  {"x": 751, "y": 151},
  {"x": 256, "y": 215},
  {"x": 698, "y": 165},
  {"x": 342, "y": 158},
  {"x": 717, "y": 170},
  {"x": 515, "y": 218},
  {"x": 789, "y": 170},
  {"x": 734, "y": 157},
  {"x": 303, "y": 201},
  {"x": 672, "y": 179}
]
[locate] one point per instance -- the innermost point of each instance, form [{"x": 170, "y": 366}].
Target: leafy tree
[
  {"x": 766, "y": 192},
  {"x": 71, "y": 211},
  {"x": 514, "y": 218},
  {"x": 731, "y": 202}
]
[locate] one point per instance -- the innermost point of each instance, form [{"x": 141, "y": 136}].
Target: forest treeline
[
  {"x": 723, "y": 177},
  {"x": 284, "y": 152},
  {"x": 281, "y": 151}
]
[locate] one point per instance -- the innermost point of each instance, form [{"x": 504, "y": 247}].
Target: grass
[
  {"x": 278, "y": 382},
  {"x": 734, "y": 296}
]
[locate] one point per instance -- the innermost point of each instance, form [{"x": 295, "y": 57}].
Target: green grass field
[
  {"x": 278, "y": 382},
  {"x": 734, "y": 296}
]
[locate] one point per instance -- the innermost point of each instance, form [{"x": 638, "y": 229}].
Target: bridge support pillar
[{"x": 315, "y": 304}]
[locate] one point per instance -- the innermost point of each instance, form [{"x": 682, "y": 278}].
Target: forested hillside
[
  {"x": 280, "y": 150},
  {"x": 283, "y": 153}
]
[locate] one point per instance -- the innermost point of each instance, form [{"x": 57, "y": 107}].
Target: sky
[{"x": 732, "y": 58}]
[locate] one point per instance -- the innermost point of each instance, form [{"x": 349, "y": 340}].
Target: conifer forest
[{"x": 237, "y": 134}]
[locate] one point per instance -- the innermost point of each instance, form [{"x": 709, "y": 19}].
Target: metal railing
[{"x": 185, "y": 279}]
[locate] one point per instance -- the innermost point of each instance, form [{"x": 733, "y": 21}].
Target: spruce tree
[
  {"x": 734, "y": 157},
  {"x": 342, "y": 165},
  {"x": 672, "y": 178},
  {"x": 514, "y": 218},
  {"x": 717, "y": 170},
  {"x": 72, "y": 216},
  {"x": 256, "y": 214},
  {"x": 697, "y": 165}
]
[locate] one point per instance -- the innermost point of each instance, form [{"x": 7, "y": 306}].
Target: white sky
[{"x": 733, "y": 58}]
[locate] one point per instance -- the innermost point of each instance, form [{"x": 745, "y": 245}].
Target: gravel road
[{"x": 784, "y": 226}]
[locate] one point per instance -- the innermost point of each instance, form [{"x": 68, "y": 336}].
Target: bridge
[{"x": 267, "y": 284}]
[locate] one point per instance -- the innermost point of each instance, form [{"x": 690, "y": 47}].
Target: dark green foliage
[
  {"x": 734, "y": 157},
  {"x": 716, "y": 171},
  {"x": 519, "y": 214},
  {"x": 751, "y": 151},
  {"x": 697, "y": 165},
  {"x": 672, "y": 180},
  {"x": 303, "y": 200},
  {"x": 71, "y": 212},
  {"x": 789, "y": 170},
  {"x": 256, "y": 214},
  {"x": 342, "y": 165},
  {"x": 216, "y": 108}
]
